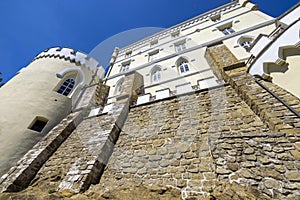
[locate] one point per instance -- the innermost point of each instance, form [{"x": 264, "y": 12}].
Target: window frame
[
  {"x": 125, "y": 67},
  {"x": 227, "y": 30},
  {"x": 156, "y": 75},
  {"x": 153, "y": 55},
  {"x": 183, "y": 67},
  {"x": 67, "y": 86},
  {"x": 245, "y": 41},
  {"x": 181, "y": 46},
  {"x": 119, "y": 86}
]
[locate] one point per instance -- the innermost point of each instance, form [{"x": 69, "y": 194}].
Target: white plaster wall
[
  {"x": 289, "y": 38},
  {"x": 195, "y": 34},
  {"x": 29, "y": 94},
  {"x": 290, "y": 79}
]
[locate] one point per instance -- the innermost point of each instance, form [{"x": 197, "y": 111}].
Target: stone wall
[
  {"x": 172, "y": 142},
  {"x": 80, "y": 160},
  {"x": 238, "y": 133},
  {"x": 267, "y": 161}
]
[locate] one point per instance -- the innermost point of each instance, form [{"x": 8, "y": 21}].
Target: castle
[{"x": 212, "y": 99}]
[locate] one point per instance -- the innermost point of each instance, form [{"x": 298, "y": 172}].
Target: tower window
[
  {"x": 125, "y": 66},
  {"x": 66, "y": 87},
  {"x": 38, "y": 124}
]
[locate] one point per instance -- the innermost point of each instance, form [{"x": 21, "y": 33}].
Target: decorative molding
[
  {"x": 280, "y": 62},
  {"x": 184, "y": 24},
  {"x": 218, "y": 40}
]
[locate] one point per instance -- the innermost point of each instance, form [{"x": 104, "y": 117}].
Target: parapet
[{"x": 74, "y": 56}]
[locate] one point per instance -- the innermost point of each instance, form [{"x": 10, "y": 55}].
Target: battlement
[{"x": 74, "y": 56}]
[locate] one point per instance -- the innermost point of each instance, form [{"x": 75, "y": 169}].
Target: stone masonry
[{"x": 237, "y": 133}]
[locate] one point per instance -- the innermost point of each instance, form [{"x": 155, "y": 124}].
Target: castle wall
[
  {"x": 236, "y": 133},
  {"x": 171, "y": 142},
  {"x": 32, "y": 94}
]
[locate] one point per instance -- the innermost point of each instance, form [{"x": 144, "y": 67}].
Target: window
[
  {"x": 246, "y": 44},
  {"x": 119, "y": 86},
  {"x": 156, "y": 75},
  {"x": 125, "y": 67},
  {"x": 128, "y": 54},
  {"x": 183, "y": 66},
  {"x": 66, "y": 87},
  {"x": 153, "y": 56},
  {"x": 38, "y": 124},
  {"x": 245, "y": 41},
  {"x": 180, "y": 47},
  {"x": 227, "y": 31}
]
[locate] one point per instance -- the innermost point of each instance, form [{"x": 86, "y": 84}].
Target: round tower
[{"x": 39, "y": 97}]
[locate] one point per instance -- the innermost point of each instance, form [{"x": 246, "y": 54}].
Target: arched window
[
  {"x": 183, "y": 67},
  {"x": 155, "y": 74},
  {"x": 245, "y": 41},
  {"x": 119, "y": 86},
  {"x": 66, "y": 87}
]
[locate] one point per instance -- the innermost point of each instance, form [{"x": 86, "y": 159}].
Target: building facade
[
  {"x": 172, "y": 61},
  {"x": 208, "y": 108}
]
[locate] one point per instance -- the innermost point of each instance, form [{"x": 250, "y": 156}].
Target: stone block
[
  {"x": 293, "y": 176},
  {"x": 295, "y": 154}
]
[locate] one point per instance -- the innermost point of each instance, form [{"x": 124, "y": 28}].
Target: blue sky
[{"x": 28, "y": 27}]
